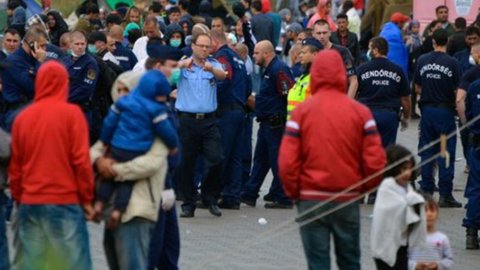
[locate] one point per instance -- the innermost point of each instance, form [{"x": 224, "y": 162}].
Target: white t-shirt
[{"x": 437, "y": 249}]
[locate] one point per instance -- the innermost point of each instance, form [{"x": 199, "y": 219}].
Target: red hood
[
  {"x": 266, "y": 6},
  {"x": 328, "y": 72},
  {"x": 51, "y": 82},
  {"x": 322, "y": 8}
]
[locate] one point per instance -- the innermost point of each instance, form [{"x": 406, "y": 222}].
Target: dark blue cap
[
  {"x": 163, "y": 52},
  {"x": 313, "y": 42}
]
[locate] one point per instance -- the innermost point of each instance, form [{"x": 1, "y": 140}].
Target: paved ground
[{"x": 238, "y": 241}]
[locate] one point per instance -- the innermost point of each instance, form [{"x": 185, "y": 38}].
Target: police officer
[
  {"x": 196, "y": 105},
  {"x": 472, "y": 37},
  {"x": 301, "y": 91},
  {"x": 472, "y": 191},
  {"x": 436, "y": 79},
  {"x": 232, "y": 96},
  {"x": 124, "y": 55},
  {"x": 383, "y": 87},
  {"x": 18, "y": 80},
  {"x": 83, "y": 72},
  {"x": 271, "y": 112}
]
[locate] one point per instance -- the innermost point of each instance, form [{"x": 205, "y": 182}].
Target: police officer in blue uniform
[
  {"x": 271, "y": 112},
  {"x": 472, "y": 37},
  {"x": 124, "y": 55},
  {"x": 436, "y": 79},
  {"x": 196, "y": 105},
  {"x": 83, "y": 71},
  {"x": 232, "y": 96},
  {"x": 383, "y": 87},
  {"x": 19, "y": 79}
]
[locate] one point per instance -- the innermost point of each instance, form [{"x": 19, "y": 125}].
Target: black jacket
[{"x": 352, "y": 44}]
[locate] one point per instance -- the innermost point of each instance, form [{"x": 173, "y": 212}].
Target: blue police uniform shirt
[
  {"x": 347, "y": 59},
  {"x": 19, "y": 79},
  {"x": 234, "y": 89},
  {"x": 381, "y": 83},
  {"x": 472, "y": 106},
  {"x": 277, "y": 80},
  {"x": 54, "y": 52},
  {"x": 462, "y": 57},
  {"x": 197, "y": 89},
  {"x": 124, "y": 56},
  {"x": 83, "y": 73},
  {"x": 439, "y": 75},
  {"x": 470, "y": 76}
]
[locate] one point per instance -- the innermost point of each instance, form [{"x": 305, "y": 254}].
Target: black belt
[{"x": 197, "y": 116}]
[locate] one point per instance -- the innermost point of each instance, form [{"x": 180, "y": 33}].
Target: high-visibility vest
[{"x": 299, "y": 92}]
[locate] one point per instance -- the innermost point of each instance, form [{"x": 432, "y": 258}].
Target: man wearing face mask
[
  {"x": 83, "y": 71},
  {"x": 18, "y": 79},
  {"x": 472, "y": 37}
]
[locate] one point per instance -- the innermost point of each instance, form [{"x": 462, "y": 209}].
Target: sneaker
[
  {"x": 251, "y": 203},
  {"x": 228, "y": 205},
  {"x": 448, "y": 202},
  {"x": 268, "y": 197}
]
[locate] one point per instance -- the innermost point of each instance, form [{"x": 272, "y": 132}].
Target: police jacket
[
  {"x": 18, "y": 80},
  {"x": 236, "y": 87},
  {"x": 472, "y": 106},
  {"x": 125, "y": 56},
  {"x": 83, "y": 72},
  {"x": 272, "y": 98}
]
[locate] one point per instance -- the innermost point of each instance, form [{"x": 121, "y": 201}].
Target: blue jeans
[
  {"x": 4, "y": 259},
  {"x": 127, "y": 247},
  {"x": 387, "y": 124},
  {"x": 266, "y": 158},
  {"x": 435, "y": 122},
  {"x": 53, "y": 237},
  {"x": 343, "y": 225},
  {"x": 231, "y": 130}
]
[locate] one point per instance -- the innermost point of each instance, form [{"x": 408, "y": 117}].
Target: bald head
[
  {"x": 263, "y": 53},
  {"x": 116, "y": 32}
]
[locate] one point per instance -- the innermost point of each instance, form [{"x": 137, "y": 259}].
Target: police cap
[
  {"x": 163, "y": 52},
  {"x": 312, "y": 42}
]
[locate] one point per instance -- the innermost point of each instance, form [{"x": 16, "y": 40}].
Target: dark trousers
[
  {"x": 387, "y": 124},
  {"x": 400, "y": 264},
  {"x": 266, "y": 158},
  {"x": 200, "y": 136},
  {"x": 247, "y": 148},
  {"x": 231, "y": 129},
  {"x": 165, "y": 244},
  {"x": 465, "y": 138},
  {"x": 123, "y": 189},
  {"x": 472, "y": 190},
  {"x": 435, "y": 122}
]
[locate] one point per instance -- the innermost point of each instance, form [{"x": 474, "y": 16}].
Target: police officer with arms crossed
[
  {"x": 197, "y": 105},
  {"x": 322, "y": 32},
  {"x": 271, "y": 111},
  {"x": 18, "y": 79},
  {"x": 436, "y": 79},
  {"x": 301, "y": 90}
]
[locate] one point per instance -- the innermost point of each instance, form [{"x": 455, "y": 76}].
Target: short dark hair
[
  {"x": 114, "y": 18},
  {"x": 92, "y": 8},
  {"x": 396, "y": 153},
  {"x": 430, "y": 202},
  {"x": 257, "y": 5},
  {"x": 440, "y": 7},
  {"x": 11, "y": 31},
  {"x": 321, "y": 22},
  {"x": 133, "y": 35},
  {"x": 347, "y": 5},
  {"x": 13, "y": 4},
  {"x": 472, "y": 30},
  {"x": 185, "y": 4},
  {"x": 156, "y": 7},
  {"x": 460, "y": 23},
  {"x": 342, "y": 16},
  {"x": 433, "y": 23},
  {"x": 151, "y": 62},
  {"x": 380, "y": 44},
  {"x": 173, "y": 9},
  {"x": 440, "y": 36}
]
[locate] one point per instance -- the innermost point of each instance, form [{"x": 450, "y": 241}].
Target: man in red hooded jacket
[
  {"x": 330, "y": 144},
  {"x": 51, "y": 176}
]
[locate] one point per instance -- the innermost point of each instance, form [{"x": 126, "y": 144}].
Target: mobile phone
[{"x": 33, "y": 46}]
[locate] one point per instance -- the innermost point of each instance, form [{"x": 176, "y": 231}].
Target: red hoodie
[
  {"x": 50, "y": 161},
  {"x": 331, "y": 141}
]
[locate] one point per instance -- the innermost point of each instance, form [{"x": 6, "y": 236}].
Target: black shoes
[
  {"x": 448, "y": 202},
  {"x": 214, "y": 210},
  {"x": 268, "y": 197},
  {"x": 251, "y": 203},
  {"x": 228, "y": 205},
  {"x": 187, "y": 213},
  {"x": 472, "y": 239},
  {"x": 277, "y": 205}
]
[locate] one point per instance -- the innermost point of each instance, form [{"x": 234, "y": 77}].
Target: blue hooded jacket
[
  {"x": 134, "y": 120},
  {"x": 397, "y": 52}
]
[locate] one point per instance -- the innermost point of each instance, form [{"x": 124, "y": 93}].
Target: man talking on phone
[{"x": 18, "y": 79}]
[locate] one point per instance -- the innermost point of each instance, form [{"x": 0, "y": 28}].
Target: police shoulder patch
[{"x": 91, "y": 74}]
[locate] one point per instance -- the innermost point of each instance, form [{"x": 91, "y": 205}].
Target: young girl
[
  {"x": 398, "y": 213},
  {"x": 437, "y": 253}
]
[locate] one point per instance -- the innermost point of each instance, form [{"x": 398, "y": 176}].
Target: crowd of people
[{"x": 113, "y": 116}]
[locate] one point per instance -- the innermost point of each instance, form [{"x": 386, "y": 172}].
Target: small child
[
  {"x": 437, "y": 253},
  {"x": 398, "y": 215},
  {"x": 130, "y": 129}
]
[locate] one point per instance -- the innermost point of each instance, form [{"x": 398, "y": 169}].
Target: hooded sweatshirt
[
  {"x": 397, "y": 52},
  {"x": 331, "y": 141},
  {"x": 59, "y": 29},
  {"x": 50, "y": 162},
  {"x": 134, "y": 120}
]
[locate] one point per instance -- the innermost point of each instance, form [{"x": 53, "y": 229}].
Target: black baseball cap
[{"x": 313, "y": 42}]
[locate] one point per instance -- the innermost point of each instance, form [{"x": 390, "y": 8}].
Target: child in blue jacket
[{"x": 130, "y": 129}]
